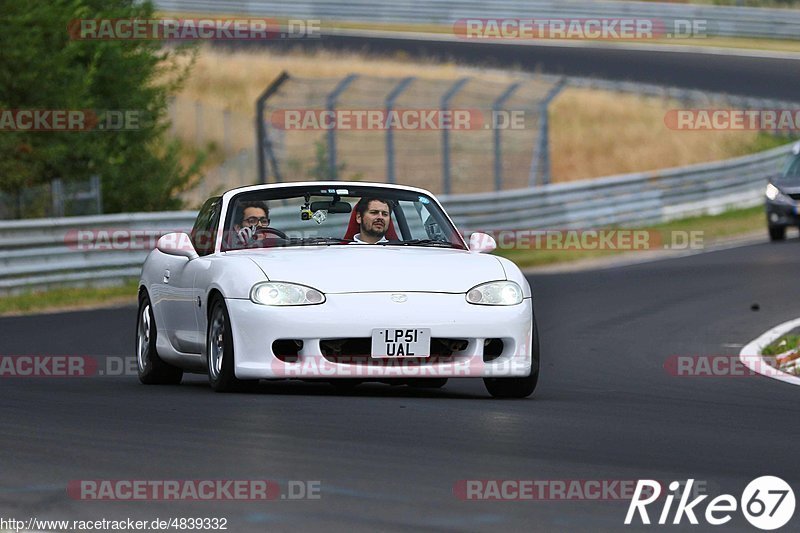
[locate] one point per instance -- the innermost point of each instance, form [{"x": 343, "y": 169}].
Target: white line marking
[{"x": 753, "y": 349}]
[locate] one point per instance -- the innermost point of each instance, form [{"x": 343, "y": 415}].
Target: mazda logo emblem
[{"x": 399, "y": 298}]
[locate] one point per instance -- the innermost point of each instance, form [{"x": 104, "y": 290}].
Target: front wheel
[
  {"x": 777, "y": 233},
  {"x": 219, "y": 352},
  {"x": 152, "y": 369},
  {"x": 518, "y": 387}
]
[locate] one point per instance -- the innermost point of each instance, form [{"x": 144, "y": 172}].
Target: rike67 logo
[{"x": 767, "y": 503}]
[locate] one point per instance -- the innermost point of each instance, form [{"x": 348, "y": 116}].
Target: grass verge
[
  {"x": 712, "y": 227},
  {"x": 68, "y": 298},
  {"x": 783, "y": 344},
  {"x": 787, "y": 350}
]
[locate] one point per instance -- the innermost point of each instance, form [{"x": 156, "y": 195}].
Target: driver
[
  {"x": 255, "y": 216},
  {"x": 373, "y": 217}
]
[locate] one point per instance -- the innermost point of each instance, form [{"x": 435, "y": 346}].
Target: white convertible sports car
[{"x": 336, "y": 281}]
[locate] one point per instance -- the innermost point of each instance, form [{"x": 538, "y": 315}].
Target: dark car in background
[{"x": 783, "y": 197}]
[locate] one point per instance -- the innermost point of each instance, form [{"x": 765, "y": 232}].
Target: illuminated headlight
[
  {"x": 495, "y": 293},
  {"x": 774, "y": 194},
  {"x": 275, "y": 293}
]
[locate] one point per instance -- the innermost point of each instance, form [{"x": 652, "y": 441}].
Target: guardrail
[
  {"x": 41, "y": 253},
  {"x": 726, "y": 21}
]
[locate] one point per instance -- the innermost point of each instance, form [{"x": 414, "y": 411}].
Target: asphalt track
[
  {"x": 388, "y": 458},
  {"x": 766, "y": 77}
]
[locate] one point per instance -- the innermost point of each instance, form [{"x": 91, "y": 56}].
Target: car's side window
[{"x": 205, "y": 226}]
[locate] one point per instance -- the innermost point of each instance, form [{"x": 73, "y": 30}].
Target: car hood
[
  {"x": 368, "y": 268},
  {"x": 786, "y": 185}
]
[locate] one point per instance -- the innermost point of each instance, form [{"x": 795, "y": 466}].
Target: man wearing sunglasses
[{"x": 255, "y": 216}]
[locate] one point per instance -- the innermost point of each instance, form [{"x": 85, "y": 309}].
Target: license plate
[{"x": 392, "y": 343}]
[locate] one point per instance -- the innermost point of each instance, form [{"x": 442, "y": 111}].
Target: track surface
[
  {"x": 748, "y": 76},
  {"x": 388, "y": 457}
]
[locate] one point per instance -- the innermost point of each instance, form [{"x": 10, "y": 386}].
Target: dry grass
[
  {"x": 594, "y": 133},
  {"x": 234, "y": 80}
]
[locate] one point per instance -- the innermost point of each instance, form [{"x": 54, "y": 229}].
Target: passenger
[{"x": 373, "y": 216}]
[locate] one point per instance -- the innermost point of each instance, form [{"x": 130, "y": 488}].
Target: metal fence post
[
  {"x": 97, "y": 192},
  {"x": 540, "y": 163},
  {"x": 198, "y": 123},
  {"x": 390, "y": 99},
  {"x": 498, "y": 156},
  {"x": 330, "y": 104},
  {"x": 263, "y": 144},
  {"x": 57, "y": 194},
  {"x": 443, "y": 106},
  {"x": 226, "y": 131},
  {"x": 172, "y": 113}
]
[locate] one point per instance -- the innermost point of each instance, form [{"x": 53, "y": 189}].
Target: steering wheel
[{"x": 274, "y": 231}]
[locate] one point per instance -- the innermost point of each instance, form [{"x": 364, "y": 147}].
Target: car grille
[
  {"x": 357, "y": 350},
  {"x": 795, "y": 196}
]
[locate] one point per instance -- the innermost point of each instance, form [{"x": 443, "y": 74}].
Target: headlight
[
  {"x": 775, "y": 194},
  {"x": 276, "y": 293},
  {"x": 495, "y": 293}
]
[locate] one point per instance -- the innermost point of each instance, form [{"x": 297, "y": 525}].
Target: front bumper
[
  {"x": 353, "y": 316},
  {"x": 782, "y": 214}
]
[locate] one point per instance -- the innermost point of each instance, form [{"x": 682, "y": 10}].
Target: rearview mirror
[
  {"x": 331, "y": 207},
  {"x": 178, "y": 244},
  {"x": 481, "y": 243}
]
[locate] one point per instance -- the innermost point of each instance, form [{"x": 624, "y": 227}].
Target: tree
[{"x": 46, "y": 68}]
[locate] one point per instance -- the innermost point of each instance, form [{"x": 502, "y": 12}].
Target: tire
[
  {"x": 777, "y": 233},
  {"x": 517, "y": 387},
  {"x": 151, "y": 368},
  {"x": 219, "y": 352}
]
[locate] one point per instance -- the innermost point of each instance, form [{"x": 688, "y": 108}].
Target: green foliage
[
  {"x": 783, "y": 344},
  {"x": 45, "y": 68},
  {"x": 320, "y": 170}
]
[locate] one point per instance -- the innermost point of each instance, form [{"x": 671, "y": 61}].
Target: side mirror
[
  {"x": 481, "y": 243},
  {"x": 178, "y": 244}
]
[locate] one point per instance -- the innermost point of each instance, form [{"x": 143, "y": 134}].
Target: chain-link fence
[
  {"x": 202, "y": 124},
  {"x": 449, "y": 136}
]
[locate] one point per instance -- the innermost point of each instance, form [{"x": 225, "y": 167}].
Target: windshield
[
  {"x": 318, "y": 216},
  {"x": 792, "y": 168}
]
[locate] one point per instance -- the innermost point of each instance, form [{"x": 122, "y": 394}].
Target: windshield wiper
[
  {"x": 306, "y": 241},
  {"x": 424, "y": 242}
]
